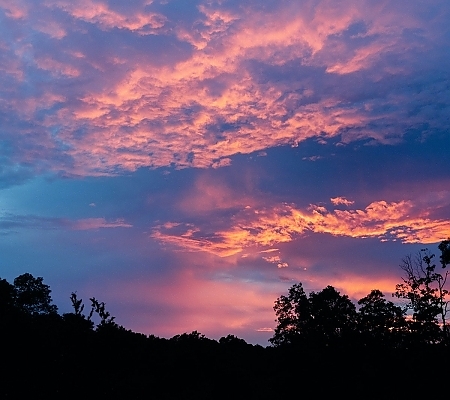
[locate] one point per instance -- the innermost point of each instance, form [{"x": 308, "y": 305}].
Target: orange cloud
[
  {"x": 199, "y": 107},
  {"x": 357, "y": 286},
  {"x": 151, "y": 101},
  {"x": 282, "y": 224}
]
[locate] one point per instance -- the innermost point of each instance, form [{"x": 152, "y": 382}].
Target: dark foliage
[
  {"x": 444, "y": 247},
  {"x": 380, "y": 322},
  {"x": 324, "y": 318},
  {"x": 329, "y": 319}
]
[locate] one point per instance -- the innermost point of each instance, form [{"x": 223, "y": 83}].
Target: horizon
[{"x": 187, "y": 162}]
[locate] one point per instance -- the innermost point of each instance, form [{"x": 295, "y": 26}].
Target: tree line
[
  {"x": 327, "y": 318},
  {"x": 324, "y": 318},
  {"x": 85, "y": 353}
]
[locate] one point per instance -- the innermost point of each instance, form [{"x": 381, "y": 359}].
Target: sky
[{"x": 187, "y": 161}]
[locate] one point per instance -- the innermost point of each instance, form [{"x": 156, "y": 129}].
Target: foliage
[
  {"x": 77, "y": 305},
  {"x": 7, "y": 296},
  {"x": 28, "y": 295},
  {"x": 444, "y": 247},
  {"x": 232, "y": 341},
  {"x": 33, "y": 296},
  {"x": 106, "y": 320},
  {"x": 76, "y": 321},
  {"x": 323, "y": 318},
  {"x": 293, "y": 316},
  {"x": 425, "y": 292},
  {"x": 327, "y": 318},
  {"x": 380, "y": 321}
]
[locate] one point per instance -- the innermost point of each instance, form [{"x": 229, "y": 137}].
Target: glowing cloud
[
  {"x": 380, "y": 219},
  {"x": 98, "y": 12},
  {"x": 341, "y": 200},
  {"x": 232, "y": 82},
  {"x": 240, "y": 305}
]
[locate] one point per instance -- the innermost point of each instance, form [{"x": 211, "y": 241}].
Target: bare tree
[{"x": 424, "y": 288}]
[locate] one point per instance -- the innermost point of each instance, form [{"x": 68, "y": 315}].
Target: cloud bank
[{"x": 95, "y": 88}]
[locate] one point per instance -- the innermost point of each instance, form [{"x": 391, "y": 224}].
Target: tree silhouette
[
  {"x": 293, "y": 316},
  {"x": 77, "y": 305},
  {"x": 77, "y": 321},
  {"x": 82, "y": 322},
  {"x": 380, "y": 322},
  {"x": 7, "y": 297},
  {"x": 326, "y": 318},
  {"x": 106, "y": 320},
  {"x": 333, "y": 316},
  {"x": 32, "y": 296},
  {"x": 425, "y": 291},
  {"x": 232, "y": 341},
  {"x": 444, "y": 247}
]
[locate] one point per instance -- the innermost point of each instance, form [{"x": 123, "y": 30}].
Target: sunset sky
[{"x": 187, "y": 161}]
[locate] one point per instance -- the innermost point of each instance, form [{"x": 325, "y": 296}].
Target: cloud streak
[{"x": 10, "y": 222}]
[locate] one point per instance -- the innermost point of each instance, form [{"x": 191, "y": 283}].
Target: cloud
[
  {"x": 99, "y": 12},
  {"x": 95, "y": 88},
  {"x": 238, "y": 306},
  {"x": 57, "y": 68},
  {"x": 10, "y": 222},
  {"x": 284, "y": 223},
  {"x": 14, "y": 9},
  {"x": 265, "y": 329},
  {"x": 341, "y": 200},
  {"x": 209, "y": 195},
  {"x": 97, "y": 223}
]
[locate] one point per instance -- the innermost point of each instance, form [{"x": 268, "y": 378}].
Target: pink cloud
[
  {"x": 99, "y": 12},
  {"x": 199, "y": 106},
  {"x": 215, "y": 304},
  {"x": 15, "y": 9},
  {"x": 97, "y": 223},
  {"x": 57, "y": 68},
  {"x": 213, "y": 307},
  {"x": 209, "y": 195}
]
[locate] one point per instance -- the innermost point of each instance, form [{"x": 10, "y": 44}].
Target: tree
[
  {"x": 233, "y": 341},
  {"x": 76, "y": 321},
  {"x": 81, "y": 323},
  {"x": 333, "y": 317},
  {"x": 7, "y": 297},
  {"x": 32, "y": 296},
  {"x": 106, "y": 320},
  {"x": 193, "y": 337},
  {"x": 444, "y": 247},
  {"x": 324, "y": 318},
  {"x": 293, "y": 316},
  {"x": 425, "y": 291},
  {"x": 380, "y": 321}
]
